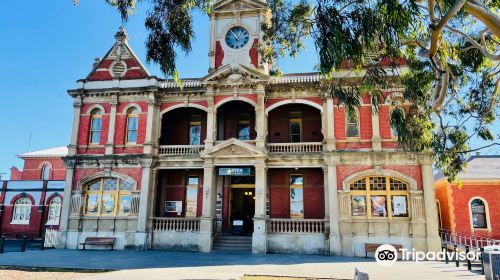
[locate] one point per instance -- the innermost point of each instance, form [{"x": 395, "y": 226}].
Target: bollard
[
  {"x": 446, "y": 255},
  {"x": 23, "y": 248},
  {"x": 469, "y": 265},
  {"x": 482, "y": 264},
  {"x": 360, "y": 274},
  {"x": 456, "y": 256},
  {"x": 42, "y": 246},
  {"x": 2, "y": 244}
]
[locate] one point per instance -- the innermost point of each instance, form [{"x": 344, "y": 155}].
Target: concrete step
[{"x": 232, "y": 243}]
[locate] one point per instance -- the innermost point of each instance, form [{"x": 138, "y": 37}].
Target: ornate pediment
[
  {"x": 238, "y": 75},
  {"x": 234, "y": 148},
  {"x": 239, "y": 5}
]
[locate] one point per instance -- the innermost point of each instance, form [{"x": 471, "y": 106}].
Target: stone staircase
[{"x": 232, "y": 243}]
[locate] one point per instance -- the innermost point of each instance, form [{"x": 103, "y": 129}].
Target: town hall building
[{"x": 271, "y": 160}]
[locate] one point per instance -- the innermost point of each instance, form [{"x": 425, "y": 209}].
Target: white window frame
[
  {"x": 21, "y": 205},
  {"x": 55, "y": 203},
  {"x": 487, "y": 212}
]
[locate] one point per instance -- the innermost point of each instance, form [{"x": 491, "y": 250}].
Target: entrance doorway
[{"x": 242, "y": 210}]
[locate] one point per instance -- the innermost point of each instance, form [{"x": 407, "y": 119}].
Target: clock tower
[{"x": 235, "y": 32}]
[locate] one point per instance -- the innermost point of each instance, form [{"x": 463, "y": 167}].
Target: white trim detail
[
  {"x": 296, "y": 101},
  {"x": 104, "y": 174},
  {"x": 135, "y": 105},
  {"x": 183, "y": 105},
  {"x": 237, "y": 98},
  {"x": 95, "y": 106}
]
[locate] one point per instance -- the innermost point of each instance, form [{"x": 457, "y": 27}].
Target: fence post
[
  {"x": 469, "y": 266},
  {"x": 482, "y": 261},
  {"x": 2, "y": 244},
  {"x": 446, "y": 254},
  {"x": 456, "y": 255},
  {"x": 23, "y": 248}
]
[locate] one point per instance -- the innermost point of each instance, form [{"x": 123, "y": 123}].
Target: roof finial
[{"x": 121, "y": 36}]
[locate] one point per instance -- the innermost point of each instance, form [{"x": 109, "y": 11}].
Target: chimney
[{"x": 97, "y": 60}]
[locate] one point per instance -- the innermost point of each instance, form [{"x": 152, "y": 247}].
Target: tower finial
[{"x": 121, "y": 36}]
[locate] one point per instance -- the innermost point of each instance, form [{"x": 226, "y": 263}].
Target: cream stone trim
[
  {"x": 487, "y": 210},
  {"x": 44, "y": 163},
  {"x": 294, "y": 101},
  {"x": 382, "y": 172},
  {"x": 82, "y": 182},
  {"x": 135, "y": 105},
  {"x": 95, "y": 106},
  {"x": 236, "y": 98},
  {"x": 183, "y": 105}
]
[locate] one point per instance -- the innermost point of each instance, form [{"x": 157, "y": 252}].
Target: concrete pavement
[{"x": 188, "y": 265}]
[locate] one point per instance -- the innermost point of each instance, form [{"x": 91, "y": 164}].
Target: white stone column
[
  {"x": 330, "y": 124},
  {"x": 68, "y": 189},
  {"x": 261, "y": 118},
  {"x": 433, "y": 240},
  {"x": 333, "y": 205},
  {"x": 148, "y": 142},
  {"x": 141, "y": 236},
  {"x": 77, "y": 105},
  {"x": 205, "y": 236},
  {"x": 211, "y": 118},
  {"x": 259, "y": 236},
  {"x": 376, "y": 139},
  {"x": 112, "y": 126}
]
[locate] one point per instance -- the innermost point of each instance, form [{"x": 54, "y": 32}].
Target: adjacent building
[
  {"x": 470, "y": 206},
  {"x": 31, "y": 201},
  {"x": 166, "y": 165}
]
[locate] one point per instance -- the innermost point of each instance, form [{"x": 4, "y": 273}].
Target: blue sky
[{"x": 46, "y": 46}]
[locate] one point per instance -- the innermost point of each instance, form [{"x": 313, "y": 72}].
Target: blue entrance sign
[{"x": 235, "y": 171}]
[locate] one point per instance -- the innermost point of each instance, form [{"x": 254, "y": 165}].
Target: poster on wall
[
  {"x": 173, "y": 207},
  {"x": 399, "y": 206},
  {"x": 379, "y": 208},
  {"x": 358, "y": 205}
]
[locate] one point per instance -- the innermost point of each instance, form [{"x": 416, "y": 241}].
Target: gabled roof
[
  {"x": 232, "y": 5},
  {"x": 119, "y": 63},
  {"x": 479, "y": 167},
  {"x": 47, "y": 153}
]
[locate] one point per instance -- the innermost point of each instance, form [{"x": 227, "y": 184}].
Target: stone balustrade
[
  {"x": 299, "y": 148},
  {"x": 176, "y": 224},
  {"x": 296, "y": 226},
  {"x": 181, "y": 150}
]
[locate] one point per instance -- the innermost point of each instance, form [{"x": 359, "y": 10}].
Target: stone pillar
[
  {"x": 112, "y": 125},
  {"x": 433, "y": 240},
  {"x": 333, "y": 206},
  {"x": 259, "y": 236},
  {"x": 261, "y": 118},
  {"x": 68, "y": 189},
  {"x": 205, "y": 236},
  {"x": 211, "y": 118},
  {"x": 376, "y": 140},
  {"x": 141, "y": 236},
  {"x": 77, "y": 105},
  {"x": 330, "y": 124},
  {"x": 148, "y": 142},
  {"x": 326, "y": 198}
]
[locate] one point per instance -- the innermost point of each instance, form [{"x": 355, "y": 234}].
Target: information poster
[{"x": 399, "y": 206}]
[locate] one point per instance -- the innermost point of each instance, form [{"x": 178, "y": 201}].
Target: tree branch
[
  {"x": 436, "y": 33},
  {"x": 475, "y": 44},
  {"x": 488, "y": 18}
]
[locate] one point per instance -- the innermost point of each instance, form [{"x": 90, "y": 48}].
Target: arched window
[
  {"x": 45, "y": 172},
  {"x": 479, "y": 214},
  {"x": 108, "y": 196},
  {"x": 95, "y": 126},
  {"x": 379, "y": 196},
  {"x": 54, "y": 211},
  {"x": 132, "y": 125},
  {"x": 22, "y": 211},
  {"x": 352, "y": 124}
]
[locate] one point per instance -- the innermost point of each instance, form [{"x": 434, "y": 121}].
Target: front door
[{"x": 242, "y": 209}]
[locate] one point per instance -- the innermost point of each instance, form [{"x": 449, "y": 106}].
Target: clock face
[{"x": 237, "y": 37}]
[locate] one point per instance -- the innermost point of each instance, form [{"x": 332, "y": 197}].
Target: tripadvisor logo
[{"x": 387, "y": 255}]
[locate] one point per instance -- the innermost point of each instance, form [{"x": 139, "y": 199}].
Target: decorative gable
[
  {"x": 235, "y": 76},
  {"x": 239, "y": 5},
  {"x": 119, "y": 63},
  {"x": 234, "y": 148}
]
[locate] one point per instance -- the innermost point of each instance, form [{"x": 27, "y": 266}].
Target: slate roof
[
  {"x": 479, "y": 167},
  {"x": 52, "y": 152}
]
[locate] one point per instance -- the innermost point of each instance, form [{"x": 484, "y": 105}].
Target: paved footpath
[{"x": 186, "y": 265}]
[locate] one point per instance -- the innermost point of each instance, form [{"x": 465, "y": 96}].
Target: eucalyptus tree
[{"x": 451, "y": 51}]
